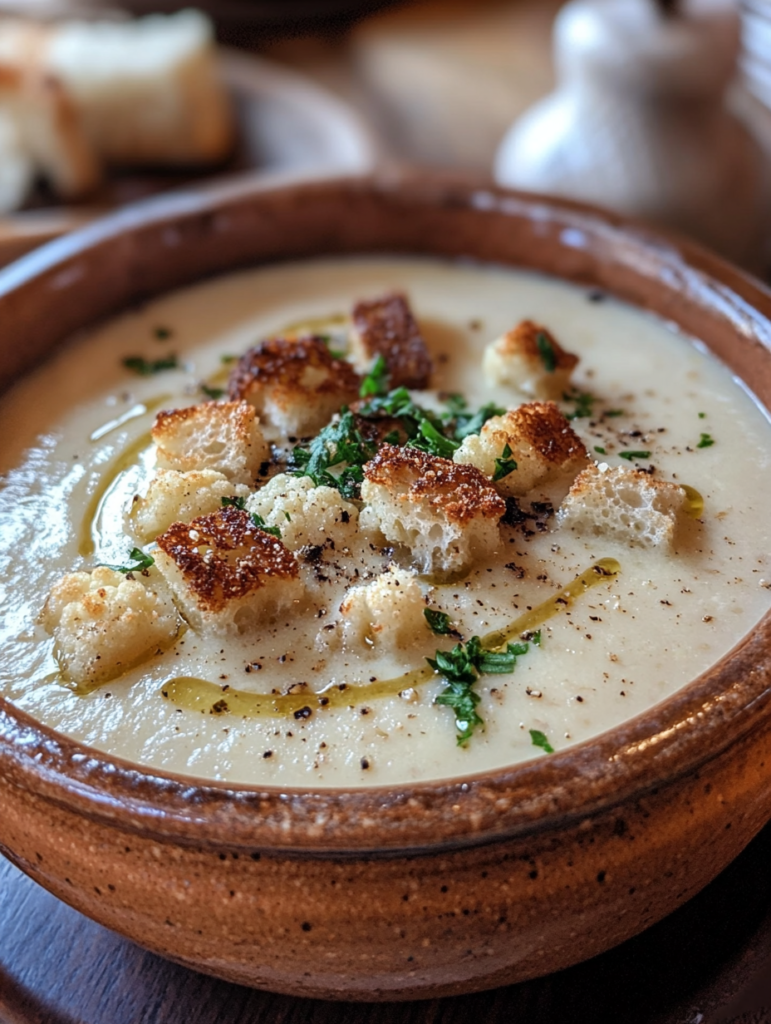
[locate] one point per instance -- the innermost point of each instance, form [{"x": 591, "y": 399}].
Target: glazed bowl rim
[{"x": 675, "y": 737}]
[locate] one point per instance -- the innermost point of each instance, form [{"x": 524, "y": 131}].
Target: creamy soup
[{"x": 75, "y": 449}]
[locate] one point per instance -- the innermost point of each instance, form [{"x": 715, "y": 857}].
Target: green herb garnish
[
  {"x": 539, "y": 740},
  {"x": 240, "y": 503},
  {"x": 465, "y": 423},
  {"x": 227, "y": 359},
  {"x": 546, "y": 352},
  {"x": 460, "y": 668},
  {"x": 584, "y": 404},
  {"x": 439, "y": 622},
  {"x": 213, "y": 393},
  {"x": 376, "y": 381},
  {"x": 142, "y": 563},
  {"x": 504, "y": 465},
  {"x": 162, "y": 333},
  {"x": 431, "y": 440},
  {"x": 706, "y": 441},
  {"x": 634, "y": 455},
  {"x": 339, "y": 444},
  {"x": 614, "y": 412},
  {"x": 536, "y": 638},
  {"x": 600, "y": 450},
  {"x": 702, "y": 415},
  {"x": 147, "y": 367}
]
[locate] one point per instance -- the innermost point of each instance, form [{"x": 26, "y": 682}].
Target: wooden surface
[{"x": 709, "y": 963}]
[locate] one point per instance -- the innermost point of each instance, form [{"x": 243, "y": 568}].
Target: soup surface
[{"x": 75, "y": 449}]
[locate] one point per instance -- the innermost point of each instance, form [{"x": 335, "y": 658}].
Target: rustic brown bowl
[{"x": 420, "y": 890}]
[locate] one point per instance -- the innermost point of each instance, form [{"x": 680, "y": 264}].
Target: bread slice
[
  {"x": 104, "y": 623},
  {"x": 148, "y": 91},
  {"x": 625, "y": 505},
  {"x": 537, "y": 438},
  {"x": 226, "y": 574},
  {"x": 444, "y": 513},
  {"x": 174, "y": 497},
  {"x": 220, "y": 436},
  {"x": 530, "y": 359},
  {"x": 296, "y": 384},
  {"x": 305, "y": 514},
  {"x": 386, "y": 327}
]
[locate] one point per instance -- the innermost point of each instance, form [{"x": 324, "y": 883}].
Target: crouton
[
  {"x": 304, "y": 513},
  {"x": 226, "y": 574},
  {"x": 148, "y": 91},
  {"x": 623, "y": 504},
  {"x": 295, "y": 384},
  {"x": 104, "y": 623},
  {"x": 221, "y": 436},
  {"x": 529, "y": 358},
  {"x": 386, "y": 327},
  {"x": 444, "y": 513},
  {"x": 386, "y": 613},
  {"x": 539, "y": 440},
  {"x": 174, "y": 497}
]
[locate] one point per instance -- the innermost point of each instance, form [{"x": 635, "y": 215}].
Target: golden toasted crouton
[
  {"x": 386, "y": 327},
  {"x": 295, "y": 384},
  {"x": 530, "y": 359},
  {"x": 304, "y": 513},
  {"x": 386, "y": 614},
  {"x": 104, "y": 623},
  {"x": 223, "y": 436},
  {"x": 538, "y": 438},
  {"x": 623, "y": 504},
  {"x": 442, "y": 511},
  {"x": 227, "y": 575},
  {"x": 174, "y": 497}
]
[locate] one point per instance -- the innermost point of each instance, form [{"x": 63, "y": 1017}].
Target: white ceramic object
[{"x": 639, "y": 123}]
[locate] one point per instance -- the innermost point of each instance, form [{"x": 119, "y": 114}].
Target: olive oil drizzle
[
  {"x": 194, "y": 694},
  {"x": 127, "y": 458}
]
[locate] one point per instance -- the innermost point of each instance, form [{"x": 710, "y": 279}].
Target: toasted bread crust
[
  {"x": 293, "y": 370},
  {"x": 460, "y": 493},
  {"x": 238, "y": 558},
  {"x": 522, "y": 340},
  {"x": 386, "y": 327},
  {"x": 544, "y": 428}
]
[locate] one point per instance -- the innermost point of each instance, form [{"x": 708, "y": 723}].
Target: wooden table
[{"x": 709, "y": 963}]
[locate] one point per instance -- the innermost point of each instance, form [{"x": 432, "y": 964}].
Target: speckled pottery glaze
[{"x": 430, "y": 889}]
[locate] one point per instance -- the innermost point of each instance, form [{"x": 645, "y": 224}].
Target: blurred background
[{"x": 657, "y": 108}]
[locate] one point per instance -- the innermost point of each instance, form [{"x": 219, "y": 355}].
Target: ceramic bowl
[{"x": 419, "y": 890}]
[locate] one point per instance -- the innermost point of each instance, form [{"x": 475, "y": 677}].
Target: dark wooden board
[{"x": 709, "y": 963}]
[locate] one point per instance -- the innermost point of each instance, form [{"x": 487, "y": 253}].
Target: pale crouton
[
  {"x": 386, "y": 614},
  {"x": 305, "y": 514},
  {"x": 623, "y": 504},
  {"x": 529, "y": 358},
  {"x": 174, "y": 497},
  {"x": 444, "y": 513},
  {"x": 148, "y": 91},
  {"x": 537, "y": 437},
  {"x": 295, "y": 384},
  {"x": 104, "y": 623},
  {"x": 386, "y": 327},
  {"x": 227, "y": 575},
  {"x": 223, "y": 436}
]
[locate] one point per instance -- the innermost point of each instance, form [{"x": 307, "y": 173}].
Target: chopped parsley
[
  {"x": 438, "y": 622},
  {"x": 162, "y": 333},
  {"x": 546, "y": 352},
  {"x": 464, "y": 422},
  {"x": 702, "y": 415},
  {"x": 142, "y": 563},
  {"x": 634, "y": 455},
  {"x": 259, "y": 522},
  {"x": 539, "y": 740},
  {"x": 536, "y": 638},
  {"x": 706, "y": 441},
  {"x": 227, "y": 359},
  {"x": 600, "y": 450},
  {"x": 583, "y": 402},
  {"x": 614, "y": 412},
  {"x": 147, "y": 367},
  {"x": 339, "y": 444},
  {"x": 460, "y": 668},
  {"x": 213, "y": 393},
  {"x": 376, "y": 381},
  {"x": 504, "y": 465},
  {"x": 431, "y": 440}
]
